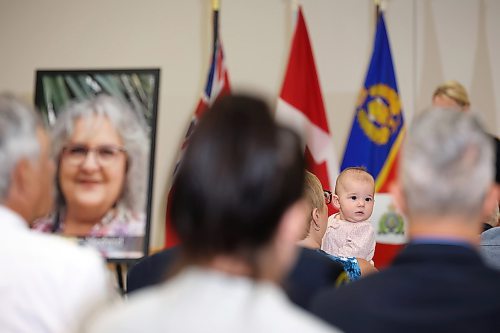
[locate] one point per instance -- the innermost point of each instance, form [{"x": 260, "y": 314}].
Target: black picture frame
[{"x": 138, "y": 86}]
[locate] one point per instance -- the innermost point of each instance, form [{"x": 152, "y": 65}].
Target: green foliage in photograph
[{"x": 135, "y": 88}]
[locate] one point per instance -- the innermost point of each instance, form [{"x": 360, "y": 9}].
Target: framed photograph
[{"x": 103, "y": 123}]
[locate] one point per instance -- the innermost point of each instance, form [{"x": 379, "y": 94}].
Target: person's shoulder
[
  {"x": 57, "y": 263},
  {"x": 492, "y": 234},
  {"x": 56, "y": 250},
  {"x": 312, "y": 255},
  {"x": 365, "y": 290},
  {"x": 342, "y": 306},
  {"x": 157, "y": 263},
  {"x": 312, "y": 271},
  {"x": 288, "y": 317},
  {"x": 319, "y": 258},
  {"x": 142, "y": 310},
  {"x": 151, "y": 270},
  {"x": 300, "y": 321}
]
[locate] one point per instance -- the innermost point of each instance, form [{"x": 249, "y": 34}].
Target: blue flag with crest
[{"x": 378, "y": 124}]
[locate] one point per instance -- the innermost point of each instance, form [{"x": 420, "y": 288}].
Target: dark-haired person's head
[{"x": 238, "y": 190}]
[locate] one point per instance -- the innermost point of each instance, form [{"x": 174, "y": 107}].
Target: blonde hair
[
  {"x": 313, "y": 193},
  {"x": 358, "y": 173},
  {"x": 454, "y": 90}
]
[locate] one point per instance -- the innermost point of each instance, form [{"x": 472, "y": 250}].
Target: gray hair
[
  {"x": 447, "y": 164},
  {"x": 132, "y": 130},
  {"x": 18, "y": 139}
]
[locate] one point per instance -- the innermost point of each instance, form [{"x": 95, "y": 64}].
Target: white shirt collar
[{"x": 11, "y": 219}]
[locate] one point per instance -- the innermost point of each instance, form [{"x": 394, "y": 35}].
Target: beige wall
[{"x": 431, "y": 41}]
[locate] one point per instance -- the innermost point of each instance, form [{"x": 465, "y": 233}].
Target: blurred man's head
[
  {"x": 447, "y": 167},
  {"x": 26, "y": 170}
]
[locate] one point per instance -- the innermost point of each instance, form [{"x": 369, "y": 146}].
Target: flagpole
[
  {"x": 216, "y": 85},
  {"x": 377, "y": 10},
  {"x": 380, "y": 6},
  {"x": 215, "y": 35}
]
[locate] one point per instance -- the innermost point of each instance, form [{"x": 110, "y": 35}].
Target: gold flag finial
[
  {"x": 215, "y": 4},
  {"x": 381, "y": 4}
]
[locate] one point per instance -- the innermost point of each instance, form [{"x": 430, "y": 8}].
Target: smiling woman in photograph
[{"x": 102, "y": 151}]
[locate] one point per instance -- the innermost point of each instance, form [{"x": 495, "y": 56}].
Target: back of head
[
  {"x": 447, "y": 165},
  {"x": 18, "y": 138},
  {"x": 238, "y": 176},
  {"x": 313, "y": 191},
  {"x": 455, "y": 91},
  {"x": 315, "y": 198}
]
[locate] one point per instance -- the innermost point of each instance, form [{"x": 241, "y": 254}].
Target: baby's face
[{"x": 355, "y": 200}]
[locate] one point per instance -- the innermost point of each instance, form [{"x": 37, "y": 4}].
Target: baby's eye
[
  {"x": 353, "y": 197},
  {"x": 368, "y": 199}
]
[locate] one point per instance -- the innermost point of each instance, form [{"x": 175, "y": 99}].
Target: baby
[{"x": 349, "y": 234}]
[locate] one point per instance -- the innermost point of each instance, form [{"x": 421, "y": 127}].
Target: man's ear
[
  {"x": 399, "y": 197},
  {"x": 490, "y": 201},
  {"x": 18, "y": 196},
  {"x": 20, "y": 179},
  {"x": 336, "y": 201}
]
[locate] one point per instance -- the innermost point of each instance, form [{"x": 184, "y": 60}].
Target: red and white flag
[
  {"x": 300, "y": 106},
  {"x": 217, "y": 85}
]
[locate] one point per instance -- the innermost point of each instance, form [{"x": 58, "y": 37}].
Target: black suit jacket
[
  {"x": 151, "y": 270},
  {"x": 312, "y": 273},
  {"x": 429, "y": 288}
]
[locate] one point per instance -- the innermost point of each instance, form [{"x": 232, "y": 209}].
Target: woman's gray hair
[
  {"x": 447, "y": 164},
  {"x": 130, "y": 126},
  {"x": 18, "y": 138}
]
